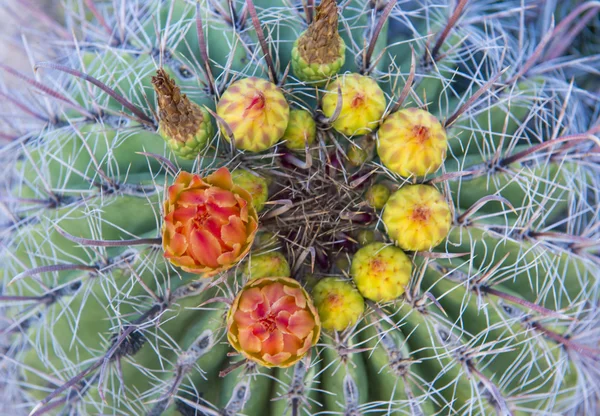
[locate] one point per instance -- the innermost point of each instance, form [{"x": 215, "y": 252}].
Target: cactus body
[{"x": 154, "y": 264}]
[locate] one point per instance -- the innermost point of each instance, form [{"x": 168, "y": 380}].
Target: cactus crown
[{"x": 425, "y": 243}]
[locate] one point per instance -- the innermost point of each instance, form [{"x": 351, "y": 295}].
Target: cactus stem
[
  {"x": 445, "y": 32},
  {"x": 464, "y": 217},
  {"x": 139, "y": 114},
  {"x": 116, "y": 350},
  {"x": 263, "y": 43},
  {"x": 47, "y": 90},
  {"x": 204, "y": 52},
  {"x": 366, "y": 64},
  {"x": 108, "y": 243},
  {"x": 220, "y": 299},
  {"x": 452, "y": 119},
  {"x": 202, "y": 410}
]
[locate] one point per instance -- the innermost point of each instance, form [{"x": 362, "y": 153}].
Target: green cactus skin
[{"x": 501, "y": 318}]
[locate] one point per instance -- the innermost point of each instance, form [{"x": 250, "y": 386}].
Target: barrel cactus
[{"x": 288, "y": 207}]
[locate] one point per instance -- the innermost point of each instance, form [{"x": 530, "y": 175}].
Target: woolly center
[
  {"x": 420, "y": 133},
  {"x": 421, "y": 213}
]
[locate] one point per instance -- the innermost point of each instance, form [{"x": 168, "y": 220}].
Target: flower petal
[
  {"x": 192, "y": 197},
  {"x": 243, "y": 319},
  {"x": 260, "y": 331},
  {"x": 301, "y": 324},
  {"x": 177, "y": 245},
  {"x": 282, "y": 320},
  {"x": 250, "y": 298},
  {"x": 273, "y": 292},
  {"x": 234, "y": 232},
  {"x": 308, "y": 342},
  {"x": 221, "y": 211},
  {"x": 221, "y": 197},
  {"x": 220, "y": 178},
  {"x": 298, "y": 295},
  {"x": 286, "y": 303},
  {"x": 274, "y": 344},
  {"x": 292, "y": 344},
  {"x": 205, "y": 248},
  {"x": 277, "y": 358},
  {"x": 248, "y": 341},
  {"x": 182, "y": 215},
  {"x": 230, "y": 257}
]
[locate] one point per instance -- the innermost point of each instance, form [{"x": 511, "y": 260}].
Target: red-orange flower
[
  {"x": 209, "y": 223},
  {"x": 273, "y": 321}
]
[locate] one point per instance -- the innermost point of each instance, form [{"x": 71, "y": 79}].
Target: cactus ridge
[{"x": 501, "y": 317}]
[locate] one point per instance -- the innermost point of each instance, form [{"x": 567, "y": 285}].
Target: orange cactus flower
[
  {"x": 209, "y": 223},
  {"x": 273, "y": 322}
]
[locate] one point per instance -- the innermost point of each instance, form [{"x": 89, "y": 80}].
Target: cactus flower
[
  {"x": 320, "y": 51},
  {"x": 417, "y": 217},
  {"x": 301, "y": 130},
  {"x": 273, "y": 322},
  {"x": 412, "y": 142},
  {"x": 184, "y": 125},
  {"x": 363, "y": 104},
  {"x": 256, "y": 112},
  {"x": 209, "y": 223},
  {"x": 381, "y": 272},
  {"x": 339, "y": 304}
]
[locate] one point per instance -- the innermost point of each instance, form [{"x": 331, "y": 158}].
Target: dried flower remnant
[
  {"x": 320, "y": 52},
  {"x": 185, "y": 126}
]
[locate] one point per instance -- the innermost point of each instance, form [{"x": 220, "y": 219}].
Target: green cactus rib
[{"x": 501, "y": 318}]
